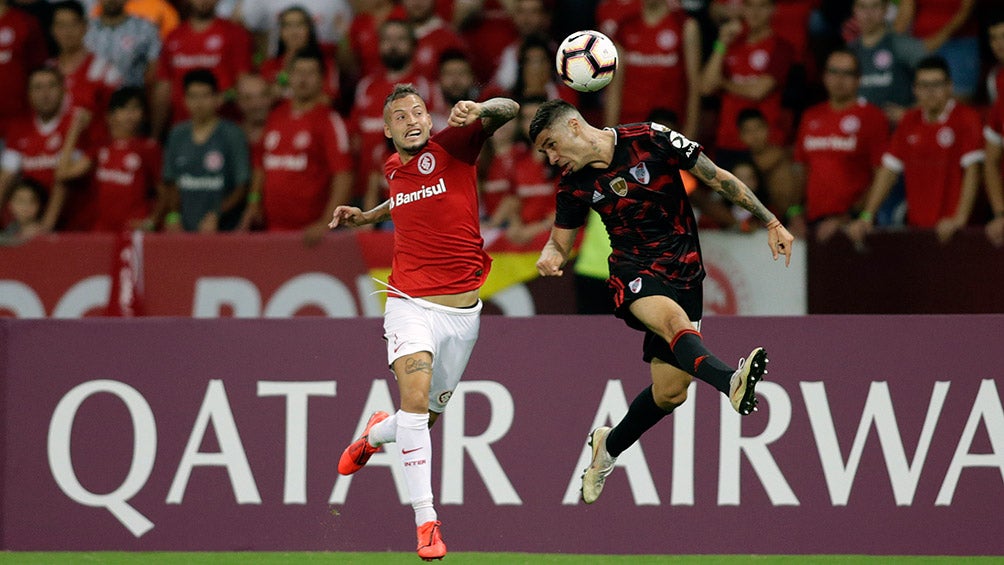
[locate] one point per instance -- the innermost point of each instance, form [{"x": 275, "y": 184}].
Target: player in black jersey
[{"x": 630, "y": 175}]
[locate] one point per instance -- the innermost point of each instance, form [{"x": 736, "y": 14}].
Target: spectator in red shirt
[
  {"x": 50, "y": 145},
  {"x": 839, "y": 147},
  {"x": 296, "y": 32},
  {"x": 127, "y": 174},
  {"x": 660, "y": 60},
  {"x": 22, "y": 48},
  {"x": 748, "y": 66},
  {"x": 456, "y": 82},
  {"x": 363, "y": 55},
  {"x": 531, "y": 19},
  {"x": 433, "y": 35},
  {"x": 202, "y": 41},
  {"x": 89, "y": 79},
  {"x": 305, "y": 169},
  {"x": 397, "y": 47},
  {"x": 938, "y": 147},
  {"x": 533, "y": 185},
  {"x": 994, "y": 134}
]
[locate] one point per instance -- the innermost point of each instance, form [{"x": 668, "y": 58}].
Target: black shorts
[{"x": 624, "y": 282}]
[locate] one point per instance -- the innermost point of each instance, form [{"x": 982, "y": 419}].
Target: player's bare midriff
[{"x": 462, "y": 300}]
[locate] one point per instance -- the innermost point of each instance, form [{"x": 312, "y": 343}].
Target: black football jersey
[{"x": 642, "y": 201}]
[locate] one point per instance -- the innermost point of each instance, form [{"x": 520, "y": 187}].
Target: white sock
[
  {"x": 384, "y": 432},
  {"x": 416, "y": 459}
]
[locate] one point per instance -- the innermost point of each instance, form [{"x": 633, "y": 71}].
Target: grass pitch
[{"x": 276, "y": 558}]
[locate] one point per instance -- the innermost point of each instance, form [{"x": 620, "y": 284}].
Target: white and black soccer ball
[{"x": 586, "y": 60}]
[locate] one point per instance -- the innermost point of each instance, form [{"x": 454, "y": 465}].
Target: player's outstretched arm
[
  {"x": 724, "y": 182},
  {"x": 556, "y": 252},
  {"x": 493, "y": 113},
  {"x": 354, "y": 217}
]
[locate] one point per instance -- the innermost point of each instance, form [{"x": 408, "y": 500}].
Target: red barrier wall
[{"x": 876, "y": 435}]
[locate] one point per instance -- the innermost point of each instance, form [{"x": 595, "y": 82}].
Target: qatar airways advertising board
[{"x": 875, "y": 435}]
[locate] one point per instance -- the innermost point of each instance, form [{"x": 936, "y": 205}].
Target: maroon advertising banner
[{"x": 875, "y": 435}]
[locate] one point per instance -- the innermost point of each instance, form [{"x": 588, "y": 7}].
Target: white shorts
[{"x": 411, "y": 325}]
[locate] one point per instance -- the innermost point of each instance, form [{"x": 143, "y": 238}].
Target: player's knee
[{"x": 671, "y": 394}]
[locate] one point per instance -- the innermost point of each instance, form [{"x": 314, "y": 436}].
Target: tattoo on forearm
[
  {"x": 731, "y": 187},
  {"x": 416, "y": 366},
  {"x": 499, "y": 110}
]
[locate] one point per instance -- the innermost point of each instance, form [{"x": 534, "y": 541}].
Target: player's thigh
[
  {"x": 456, "y": 332},
  {"x": 414, "y": 378},
  {"x": 669, "y": 384},
  {"x": 662, "y": 315},
  {"x": 411, "y": 349}
]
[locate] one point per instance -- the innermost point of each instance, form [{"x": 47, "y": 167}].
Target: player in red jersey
[
  {"x": 433, "y": 311},
  {"x": 938, "y": 147},
  {"x": 630, "y": 175}
]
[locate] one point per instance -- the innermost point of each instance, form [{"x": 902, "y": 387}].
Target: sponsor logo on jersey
[
  {"x": 830, "y": 143},
  {"x": 131, "y": 161},
  {"x": 640, "y": 173},
  {"x": 679, "y": 141},
  {"x": 114, "y": 176},
  {"x": 285, "y": 162},
  {"x": 635, "y": 285},
  {"x": 850, "y": 124},
  {"x": 213, "y": 161},
  {"x": 444, "y": 397},
  {"x": 619, "y": 186},
  {"x": 416, "y": 195},
  {"x": 427, "y": 163},
  {"x": 946, "y": 137},
  {"x": 301, "y": 140},
  {"x": 597, "y": 196}
]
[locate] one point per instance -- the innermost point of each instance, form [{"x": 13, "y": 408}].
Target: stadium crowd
[{"x": 217, "y": 115}]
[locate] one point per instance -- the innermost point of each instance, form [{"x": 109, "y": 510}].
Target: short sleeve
[
  {"x": 336, "y": 144},
  {"x": 465, "y": 142},
  {"x": 570, "y": 213},
  {"x": 674, "y": 145}
]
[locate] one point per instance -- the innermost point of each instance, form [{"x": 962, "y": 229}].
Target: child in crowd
[{"x": 24, "y": 209}]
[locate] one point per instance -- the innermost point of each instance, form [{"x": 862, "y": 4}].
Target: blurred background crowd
[{"x": 221, "y": 115}]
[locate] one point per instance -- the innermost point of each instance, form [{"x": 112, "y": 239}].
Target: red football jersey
[
  {"x": 301, "y": 152},
  {"x": 931, "y": 156},
  {"x": 532, "y": 184},
  {"x": 841, "y": 149},
  {"x": 932, "y": 15},
  {"x": 745, "y": 61},
  {"x": 434, "y": 205},
  {"x": 22, "y": 48},
  {"x": 434, "y": 38},
  {"x": 610, "y": 14},
  {"x": 366, "y": 120},
  {"x": 91, "y": 84},
  {"x": 125, "y": 177},
  {"x": 497, "y": 183},
  {"x": 654, "y": 67},
  {"x": 223, "y": 47},
  {"x": 36, "y": 147}
]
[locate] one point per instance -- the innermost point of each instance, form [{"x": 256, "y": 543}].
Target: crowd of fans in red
[{"x": 267, "y": 114}]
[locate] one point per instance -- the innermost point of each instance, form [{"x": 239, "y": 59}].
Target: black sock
[
  {"x": 641, "y": 415},
  {"x": 694, "y": 358}
]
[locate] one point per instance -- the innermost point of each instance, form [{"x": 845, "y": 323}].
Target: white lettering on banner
[
  {"x": 215, "y": 410},
  {"x": 143, "y": 454},
  {"x": 455, "y": 443},
  {"x": 20, "y": 299},
  {"x": 903, "y": 475},
  {"x": 297, "y": 394},
  {"x": 379, "y": 398},
  {"x": 684, "y": 426},
  {"x": 92, "y": 292},
  {"x": 987, "y": 409},
  {"x": 212, "y": 293},
  {"x": 307, "y": 289},
  {"x": 731, "y": 443},
  {"x": 613, "y": 406}
]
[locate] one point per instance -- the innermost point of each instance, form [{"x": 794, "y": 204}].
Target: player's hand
[
  {"x": 550, "y": 262},
  {"x": 464, "y": 113},
  {"x": 347, "y": 216},
  {"x": 780, "y": 242}
]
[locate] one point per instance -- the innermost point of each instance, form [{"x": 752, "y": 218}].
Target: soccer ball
[{"x": 586, "y": 60}]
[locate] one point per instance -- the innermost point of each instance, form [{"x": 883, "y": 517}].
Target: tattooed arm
[
  {"x": 492, "y": 113},
  {"x": 737, "y": 192}
]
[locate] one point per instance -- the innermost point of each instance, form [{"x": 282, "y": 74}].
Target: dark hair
[
  {"x": 453, "y": 54},
  {"x": 547, "y": 114},
  {"x": 995, "y": 18},
  {"x": 311, "y": 33},
  {"x": 849, "y": 53},
  {"x": 46, "y": 70},
  {"x": 125, "y": 95},
  {"x": 933, "y": 63},
  {"x": 41, "y": 194},
  {"x": 749, "y": 114},
  {"x": 399, "y": 92},
  {"x": 664, "y": 116},
  {"x": 398, "y": 21},
  {"x": 530, "y": 43},
  {"x": 201, "y": 76},
  {"x": 73, "y": 6},
  {"x": 311, "y": 54}
]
